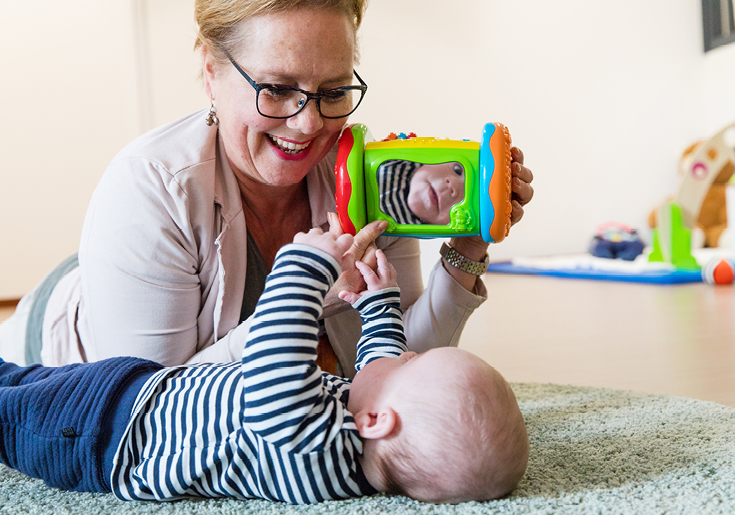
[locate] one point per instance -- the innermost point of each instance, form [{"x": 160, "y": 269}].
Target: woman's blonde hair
[{"x": 218, "y": 20}]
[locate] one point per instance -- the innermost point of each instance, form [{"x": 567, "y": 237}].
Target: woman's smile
[
  {"x": 287, "y": 149},
  {"x": 288, "y": 146}
]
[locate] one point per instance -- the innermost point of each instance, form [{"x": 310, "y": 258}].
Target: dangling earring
[{"x": 212, "y": 116}]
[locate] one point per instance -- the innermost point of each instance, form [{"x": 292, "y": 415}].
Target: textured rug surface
[{"x": 592, "y": 451}]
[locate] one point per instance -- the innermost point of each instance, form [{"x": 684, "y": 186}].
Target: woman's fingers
[
  {"x": 366, "y": 236},
  {"x": 520, "y": 185}
]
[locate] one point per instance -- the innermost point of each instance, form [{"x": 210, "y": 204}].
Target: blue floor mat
[{"x": 636, "y": 276}]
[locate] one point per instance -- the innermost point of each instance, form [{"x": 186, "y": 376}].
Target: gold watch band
[{"x": 457, "y": 260}]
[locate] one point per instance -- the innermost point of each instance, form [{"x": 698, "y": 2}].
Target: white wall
[
  {"x": 602, "y": 97},
  {"x": 171, "y": 69},
  {"x": 83, "y": 79},
  {"x": 67, "y": 98},
  {"x": 719, "y": 88}
]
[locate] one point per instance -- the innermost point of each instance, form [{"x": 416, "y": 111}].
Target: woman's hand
[
  {"x": 520, "y": 185},
  {"x": 363, "y": 248},
  {"x": 474, "y": 247}
]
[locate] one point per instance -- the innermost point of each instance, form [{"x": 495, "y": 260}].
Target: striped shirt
[
  {"x": 273, "y": 426},
  {"x": 394, "y": 184}
]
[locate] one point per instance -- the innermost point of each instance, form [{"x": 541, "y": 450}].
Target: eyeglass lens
[{"x": 284, "y": 102}]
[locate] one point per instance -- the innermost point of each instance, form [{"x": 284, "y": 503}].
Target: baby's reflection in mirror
[{"x": 417, "y": 193}]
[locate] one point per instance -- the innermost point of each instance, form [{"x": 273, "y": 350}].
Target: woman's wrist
[
  {"x": 472, "y": 250},
  {"x": 333, "y": 305},
  {"x": 469, "y": 247}
]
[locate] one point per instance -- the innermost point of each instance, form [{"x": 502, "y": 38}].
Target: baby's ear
[{"x": 375, "y": 425}]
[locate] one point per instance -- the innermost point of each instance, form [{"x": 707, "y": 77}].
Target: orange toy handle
[{"x": 495, "y": 183}]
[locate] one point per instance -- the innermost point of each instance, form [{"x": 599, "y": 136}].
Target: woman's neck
[
  {"x": 271, "y": 202},
  {"x": 274, "y": 214}
]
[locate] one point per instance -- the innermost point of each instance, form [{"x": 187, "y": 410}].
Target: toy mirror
[
  {"x": 420, "y": 193},
  {"x": 425, "y": 187}
]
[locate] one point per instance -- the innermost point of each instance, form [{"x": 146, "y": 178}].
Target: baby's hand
[
  {"x": 385, "y": 278},
  {"x": 335, "y": 246}
]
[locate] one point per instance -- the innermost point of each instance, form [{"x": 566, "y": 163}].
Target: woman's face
[{"x": 309, "y": 49}]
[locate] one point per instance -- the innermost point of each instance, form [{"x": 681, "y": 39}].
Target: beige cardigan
[{"x": 163, "y": 261}]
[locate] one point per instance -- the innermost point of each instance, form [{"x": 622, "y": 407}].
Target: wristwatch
[{"x": 457, "y": 260}]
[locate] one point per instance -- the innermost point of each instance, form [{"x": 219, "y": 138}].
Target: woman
[{"x": 185, "y": 223}]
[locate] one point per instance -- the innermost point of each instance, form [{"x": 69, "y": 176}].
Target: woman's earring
[{"x": 212, "y": 116}]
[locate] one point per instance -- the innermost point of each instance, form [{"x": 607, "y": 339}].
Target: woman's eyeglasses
[{"x": 281, "y": 101}]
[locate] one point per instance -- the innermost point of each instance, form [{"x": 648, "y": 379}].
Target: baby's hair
[
  {"x": 475, "y": 445},
  {"x": 408, "y": 471}
]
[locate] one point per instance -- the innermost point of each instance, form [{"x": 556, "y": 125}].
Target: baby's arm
[
  {"x": 286, "y": 402},
  {"x": 380, "y": 310}
]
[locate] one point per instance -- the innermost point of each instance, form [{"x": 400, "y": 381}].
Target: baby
[
  {"x": 415, "y": 193},
  {"x": 442, "y": 426}
]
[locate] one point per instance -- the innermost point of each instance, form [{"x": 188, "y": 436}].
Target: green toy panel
[{"x": 463, "y": 216}]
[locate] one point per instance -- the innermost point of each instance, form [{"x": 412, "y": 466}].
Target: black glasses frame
[{"x": 309, "y": 96}]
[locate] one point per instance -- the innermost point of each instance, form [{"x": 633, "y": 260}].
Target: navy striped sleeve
[
  {"x": 286, "y": 402},
  {"x": 382, "y": 326}
]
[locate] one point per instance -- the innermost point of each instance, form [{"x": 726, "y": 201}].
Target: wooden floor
[
  {"x": 677, "y": 340},
  {"x": 674, "y": 339}
]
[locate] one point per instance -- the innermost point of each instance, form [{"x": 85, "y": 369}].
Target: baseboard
[{"x": 9, "y": 303}]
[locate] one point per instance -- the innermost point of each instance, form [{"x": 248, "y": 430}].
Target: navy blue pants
[{"x": 63, "y": 424}]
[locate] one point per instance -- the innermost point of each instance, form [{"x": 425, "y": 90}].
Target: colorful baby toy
[
  {"x": 675, "y": 219},
  {"x": 616, "y": 241},
  {"x": 425, "y": 187}
]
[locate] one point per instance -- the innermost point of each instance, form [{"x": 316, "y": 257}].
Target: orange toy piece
[
  {"x": 719, "y": 271},
  {"x": 500, "y": 185}
]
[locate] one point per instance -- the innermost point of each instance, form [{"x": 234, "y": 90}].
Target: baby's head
[{"x": 442, "y": 426}]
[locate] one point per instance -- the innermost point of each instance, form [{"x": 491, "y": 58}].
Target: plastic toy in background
[
  {"x": 712, "y": 221},
  {"x": 425, "y": 187},
  {"x": 718, "y": 271},
  {"x": 616, "y": 241},
  {"x": 676, "y": 219}
]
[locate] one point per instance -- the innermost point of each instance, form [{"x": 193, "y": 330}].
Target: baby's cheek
[
  {"x": 418, "y": 204},
  {"x": 414, "y": 204}
]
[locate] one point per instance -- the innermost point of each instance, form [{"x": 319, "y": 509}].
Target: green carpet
[{"x": 592, "y": 451}]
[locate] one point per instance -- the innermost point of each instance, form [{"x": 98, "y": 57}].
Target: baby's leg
[{"x": 50, "y": 419}]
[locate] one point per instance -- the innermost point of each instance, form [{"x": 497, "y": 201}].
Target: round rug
[{"x": 593, "y": 450}]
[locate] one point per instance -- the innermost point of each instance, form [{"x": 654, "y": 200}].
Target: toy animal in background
[
  {"x": 712, "y": 219},
  {"x": 425, "y": 187},
  {"x": 616, "y": 241}
]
